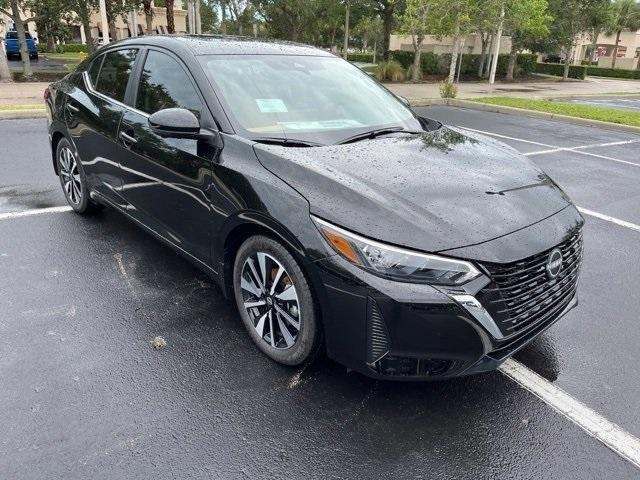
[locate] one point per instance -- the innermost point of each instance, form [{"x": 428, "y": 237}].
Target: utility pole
[
  {"x": 104, "y": 22},
  {"x": 346, "y": 31},
  {"x": 496, "y": 50}
]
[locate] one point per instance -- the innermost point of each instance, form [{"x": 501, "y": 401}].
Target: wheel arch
[{"x": 56, "y": 136}]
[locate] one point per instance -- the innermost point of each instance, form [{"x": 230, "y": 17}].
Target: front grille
[{"x": 522, "y": 294}]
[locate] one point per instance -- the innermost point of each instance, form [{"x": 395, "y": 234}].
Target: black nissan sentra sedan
[{"x": 336, "y": 218}]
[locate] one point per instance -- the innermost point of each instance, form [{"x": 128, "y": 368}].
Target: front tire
[
  {"x": 72, "y": 179},
  {"x": 275, "y": 301}
]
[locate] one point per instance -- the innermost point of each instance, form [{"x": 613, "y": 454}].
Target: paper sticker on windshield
[{"x": 271, "y": 105}]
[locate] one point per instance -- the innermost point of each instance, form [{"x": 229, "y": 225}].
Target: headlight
[{"x": 396, "y": 263}]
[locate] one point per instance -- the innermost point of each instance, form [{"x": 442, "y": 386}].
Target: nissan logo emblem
[{"x": 554, "y": 263}]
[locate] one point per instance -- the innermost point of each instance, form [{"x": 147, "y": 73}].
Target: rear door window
[
  {"x": 165, "y": 84},
  {"x": 115, "y": 72}
]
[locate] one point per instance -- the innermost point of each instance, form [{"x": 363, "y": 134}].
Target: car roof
[{"x": 225, "y": 45}]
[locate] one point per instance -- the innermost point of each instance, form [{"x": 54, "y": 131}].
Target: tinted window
[
  {"x": 164, "y": 84},
  {"x": 114, "y": 74},
  {"x": 12, "y": 36},
  {"x": 94, "y": 69}
]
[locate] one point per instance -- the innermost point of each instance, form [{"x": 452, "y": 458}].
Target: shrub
[
  {"x": 410, "y": 73},
  {"x": 557, "y": 69},
  {"x": 360, "y": 57},
  {"x": 74, "y": 48},
  {"x": 448, "y": 90},
  {"x": 390, "y": 71},
  {"x": 433, "y": 64},
  {"x": 613, "y": 72}
]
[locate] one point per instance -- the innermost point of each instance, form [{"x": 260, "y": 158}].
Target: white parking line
[
  {"x": 610, "y": 434},
  {"x": 607, "y": 218},
  {"x": 35, "y": 211},
  {"x": 555, "y": 149}
]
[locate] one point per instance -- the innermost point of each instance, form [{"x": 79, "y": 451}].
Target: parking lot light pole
[{"x": 104, "y": 22}]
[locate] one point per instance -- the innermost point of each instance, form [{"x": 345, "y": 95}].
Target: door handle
[
  {"x": 128, "y": 139},
  {"x": 73, "y": 108}
]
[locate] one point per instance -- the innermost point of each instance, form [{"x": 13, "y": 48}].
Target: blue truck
[{"x": 12, "y": 45}]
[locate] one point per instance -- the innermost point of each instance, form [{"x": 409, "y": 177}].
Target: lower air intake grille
[{"x": 378, "y": 343}]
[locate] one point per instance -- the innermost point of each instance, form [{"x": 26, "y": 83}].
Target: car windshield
[
  {"x": 311, "y": 98},
  {"x": 14, "y": 35}
]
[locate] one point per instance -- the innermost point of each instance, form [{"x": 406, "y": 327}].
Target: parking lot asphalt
[
  {"x": 85, "y": 396},
  {"x": 618, "y": 102}
]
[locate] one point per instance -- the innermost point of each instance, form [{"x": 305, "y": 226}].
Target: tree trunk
[
  {"x": 454, "y": 52},
  {"x": 148, "y": 16},
  {"x": 171, "y": 24},
  {"x": 345, "y": 53},
  {"x": 375, "y": 47},
  {"x": 594, "y": 43},
  {"x": 387, "y": 24},
  {"x": 5, "y": 73},
  {"x": 51, "y": 43},
  {"x": 513, "y": 59},
  {"x": 567, "y": 64},
  {"x": 484, "y": 39},
  {"x": 22, "y": 40},
  {"x": 615, "y": 49},
  {"x": 417, "y": 51},
  {"x": 496, "y": 48},
  {"x": 487, "y": 63}
]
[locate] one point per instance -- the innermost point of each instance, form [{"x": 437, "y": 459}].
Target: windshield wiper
[
  {"x": 287, "y": 142},
  {"x": 376, "y": 133}
]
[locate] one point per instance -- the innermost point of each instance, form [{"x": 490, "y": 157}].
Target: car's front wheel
[
  {"x": 72, "y": 178},
  {"x": 275, "y": 301}
]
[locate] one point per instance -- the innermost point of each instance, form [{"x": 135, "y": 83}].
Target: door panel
[{"x": 167, "y": 183}]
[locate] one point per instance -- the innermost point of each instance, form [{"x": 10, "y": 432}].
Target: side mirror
[{"x": 180, "y": 123}]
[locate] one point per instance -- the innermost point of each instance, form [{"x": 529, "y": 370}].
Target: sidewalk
[
  {"x": 547, "y": 88},
  {"x": 18, "y": 93}
]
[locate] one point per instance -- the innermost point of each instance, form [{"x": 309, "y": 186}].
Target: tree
[
  {"x": 525, "y": 20},
  {"x": 453, "y": 20},
  {"x": 600, "y": 19},
  {"x": 570, "y": 19},
  {"x": 13, "y": 9},
  {"x": 148, "y": 16},
  {"x": 415, "y": 22},
  {"x": 171, "y": 23},
  {"x": 626, "y": 16},
  {"x": 386, "y": 9},
  {"x": 84, "y": 8},
  {"x": 484, "y": 14},
  {"x": 369, "y": 31},
  {"x": 5, "y": 73}
]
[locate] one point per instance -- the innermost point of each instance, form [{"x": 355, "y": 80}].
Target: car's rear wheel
[
  {"x": 72, "y": 178},
  {"x": 275, "y": 301}
]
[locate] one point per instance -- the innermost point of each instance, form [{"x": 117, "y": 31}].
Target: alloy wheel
[
  {"x": 70, "y": 175},
  {"x": 271, "y": 300}
]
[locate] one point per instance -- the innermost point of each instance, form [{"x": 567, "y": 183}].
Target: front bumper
[{"x": 399, "y": 331}]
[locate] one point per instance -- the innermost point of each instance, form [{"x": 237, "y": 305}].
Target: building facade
[
  {"x": 470, "y": 44},
  {"x": 628, "y": 50}
]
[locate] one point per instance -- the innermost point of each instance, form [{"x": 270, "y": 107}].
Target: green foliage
[
  {"x": 575, "y": 71},
  {"x": 448, "y": 89},
  {"x": 603, "y": 114},
  {"x": 613, "y": 72},
  {"x": 73, "y": 48},
  {"x": 360, "y": 57},
  {"x": 390, "y": 71},
  {"x": 433, "y": 64}
]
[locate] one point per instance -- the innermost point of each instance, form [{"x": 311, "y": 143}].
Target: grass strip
[{"x": 589, "y": 112}]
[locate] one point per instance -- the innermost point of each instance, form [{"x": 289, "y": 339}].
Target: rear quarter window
[{"x": 94, "y": 69}]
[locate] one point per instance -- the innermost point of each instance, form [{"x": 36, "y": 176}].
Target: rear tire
[
  {"x": 275, "y": 302},
  {"x": 73, "y": 180}
]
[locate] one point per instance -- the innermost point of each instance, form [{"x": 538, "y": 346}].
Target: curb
[
  {"x": 526, "y": 113},
  {"x": 18, "y": 114}
]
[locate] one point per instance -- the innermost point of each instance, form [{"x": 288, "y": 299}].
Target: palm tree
[
  {"x": 626, "y": 17},
  {"x": 171, "y": 24}
]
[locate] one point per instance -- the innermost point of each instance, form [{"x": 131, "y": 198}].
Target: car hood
[{"x": 434, "y": 191}]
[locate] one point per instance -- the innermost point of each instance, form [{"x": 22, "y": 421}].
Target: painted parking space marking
[
  {"x": 35, "y": 211},
  {"x": 607, "y": 218},
  {"x": 607, "y": 432},
  {"x": 555, "y": 149}
]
